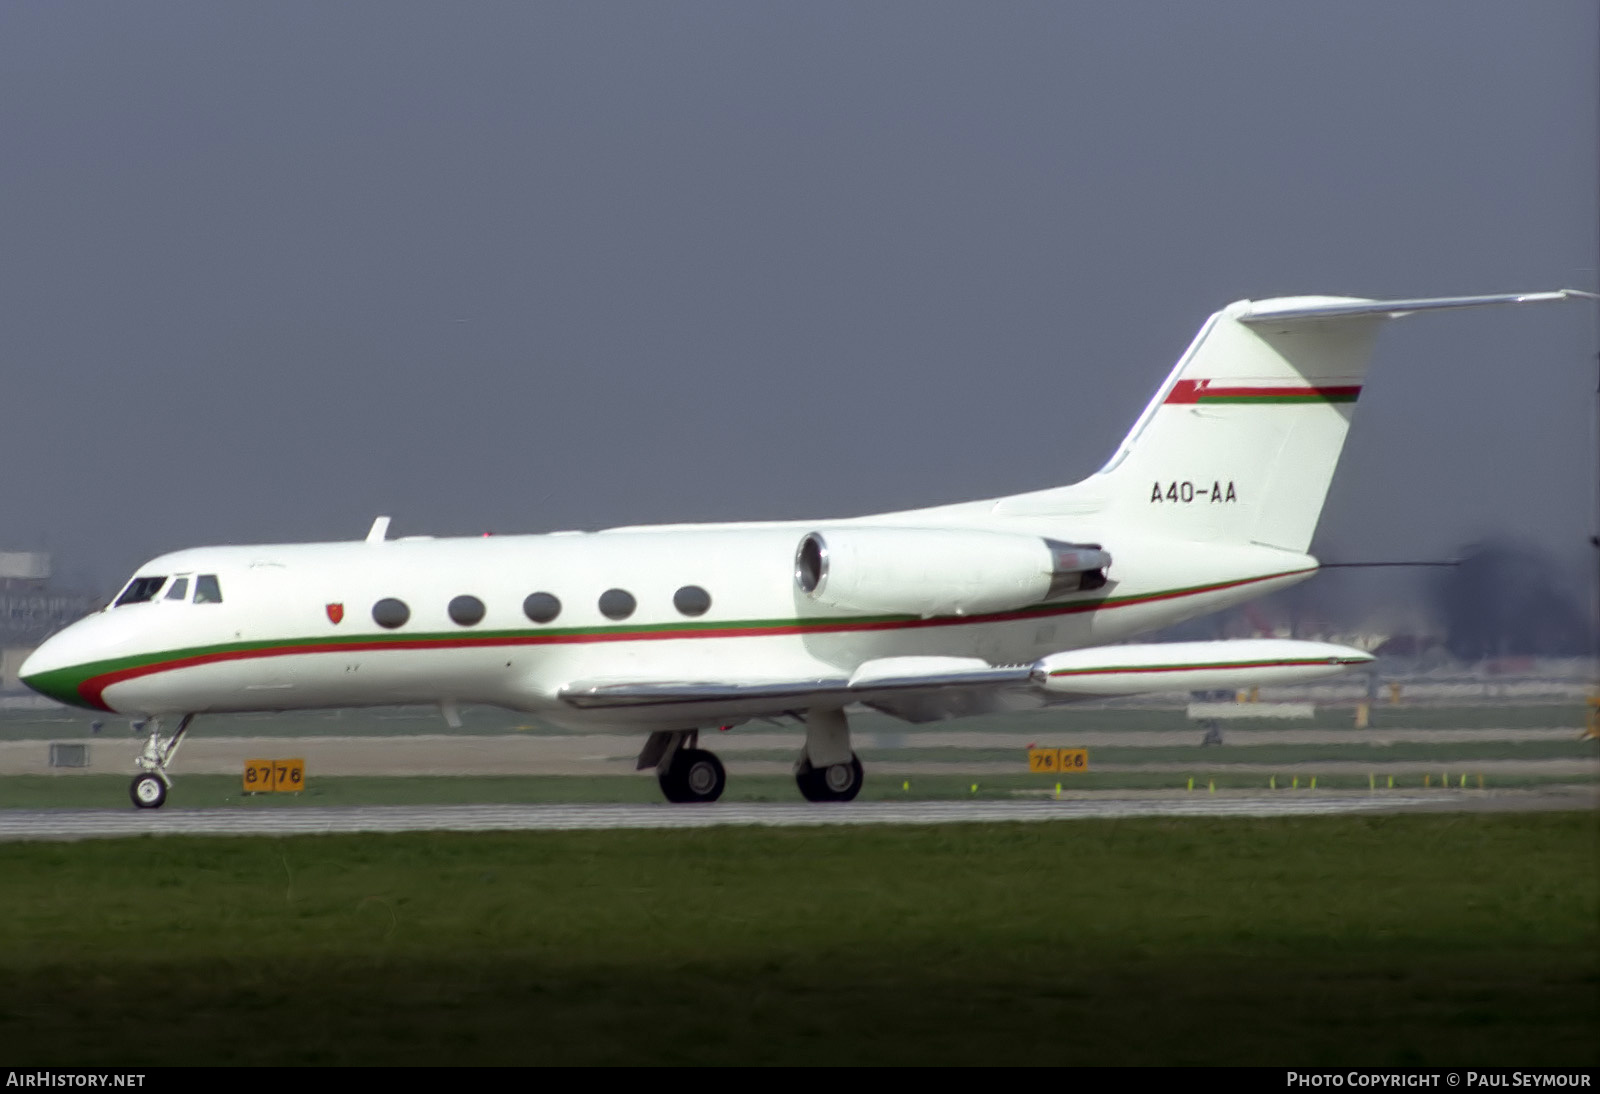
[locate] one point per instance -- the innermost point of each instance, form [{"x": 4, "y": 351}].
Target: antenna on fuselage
[{"x": 379, "y": 531}]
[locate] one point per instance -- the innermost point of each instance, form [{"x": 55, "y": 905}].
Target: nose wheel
[{"x": 149, "y": 789}]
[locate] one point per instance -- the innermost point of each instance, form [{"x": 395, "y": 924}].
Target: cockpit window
[
  {"x": 141, "y": 589},
  {"x": 207, "y": 590},
  {"x": 179, "y": 590}
]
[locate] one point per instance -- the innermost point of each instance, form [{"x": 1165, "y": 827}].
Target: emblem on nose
[{"x": 335, "y": 612}]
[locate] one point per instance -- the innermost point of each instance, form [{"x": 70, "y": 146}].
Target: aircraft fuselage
[{"x": 295, "y": 626}]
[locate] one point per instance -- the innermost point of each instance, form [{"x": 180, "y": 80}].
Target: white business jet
[{"x": 1006, "y": 604}]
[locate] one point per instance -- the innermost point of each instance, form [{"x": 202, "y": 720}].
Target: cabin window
[
  {"x": 466, "y": 610},
  {"x": 390, "y": 613},
  {"x": 179, "y": 590},
  {"x": 692, "y": 600},
  {"x": 617, "y": 604},
  {"x": 141, "y": 589},
  {"x": 207, "y": 590},
  {"x": 541, "y": 607}
]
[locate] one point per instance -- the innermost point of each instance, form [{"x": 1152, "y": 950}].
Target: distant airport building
[
  {"x": 31, "y": 610},
  {"x": 24, "y": 567}
]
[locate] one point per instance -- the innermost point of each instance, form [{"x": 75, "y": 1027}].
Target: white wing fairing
[{"x": 1010, "y": 603}]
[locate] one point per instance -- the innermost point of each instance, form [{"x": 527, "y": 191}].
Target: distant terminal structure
[
  {"x": 23, "y": 568},
  {"x": 31, "y": 609}
]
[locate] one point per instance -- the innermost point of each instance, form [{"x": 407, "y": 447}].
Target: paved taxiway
[{"x": 76, "y": 824}]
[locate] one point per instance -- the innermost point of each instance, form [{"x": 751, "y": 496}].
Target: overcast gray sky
[{"x": 267, "y": 270}]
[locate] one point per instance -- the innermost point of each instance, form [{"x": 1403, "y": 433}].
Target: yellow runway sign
[
  {"x": 1058, "y": 761},
  {"x": 270, "y": 776}
]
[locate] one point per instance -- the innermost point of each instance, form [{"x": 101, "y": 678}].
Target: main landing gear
[
  {"x": 686, "y": 772},
  {"x": 149, "y": 789},
  {"x": 837, "y": 783},
  {"x": 694, "y": 775},
  {"x": 827, "y": 770}
]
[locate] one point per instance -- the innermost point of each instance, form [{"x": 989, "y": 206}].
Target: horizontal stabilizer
[{"x": 1257, "y": 312}]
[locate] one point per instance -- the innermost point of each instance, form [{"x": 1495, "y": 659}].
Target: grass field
[{"x": 1412, "y": 939}]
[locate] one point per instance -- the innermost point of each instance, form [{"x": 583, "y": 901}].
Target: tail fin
[{"x": 1241, "y": 441}]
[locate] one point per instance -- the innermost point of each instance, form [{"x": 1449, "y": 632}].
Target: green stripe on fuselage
[{"x": 63, "y": 684}]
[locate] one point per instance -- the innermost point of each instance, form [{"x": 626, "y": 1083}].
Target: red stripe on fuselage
[{"x": 92, "y": 690}]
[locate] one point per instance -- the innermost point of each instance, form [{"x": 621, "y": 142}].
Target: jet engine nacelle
[{"x": 936, "y": 571}]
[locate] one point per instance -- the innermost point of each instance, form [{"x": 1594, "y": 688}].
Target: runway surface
[{"x": 76, "y": 824}]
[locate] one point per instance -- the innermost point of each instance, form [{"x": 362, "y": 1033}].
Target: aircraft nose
[
  {"x": 49, "y": 670},
  {"x": 38, "y": 661}
]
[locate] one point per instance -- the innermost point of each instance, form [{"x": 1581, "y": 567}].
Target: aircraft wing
[
  {"x": 926, "y": 689},
  {"x": 915, "y": 683}
]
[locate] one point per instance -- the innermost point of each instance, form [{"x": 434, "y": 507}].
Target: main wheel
[
  {"x": 148, "y": 791},
  {"x": 694, "y": 775},
  {"x": 838, "y": 783}
]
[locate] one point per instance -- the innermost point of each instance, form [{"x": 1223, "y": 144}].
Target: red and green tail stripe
[{"x": 1216, "y": 392}]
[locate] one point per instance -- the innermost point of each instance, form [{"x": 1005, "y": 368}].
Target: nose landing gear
[{"x": 149, "y": 789}]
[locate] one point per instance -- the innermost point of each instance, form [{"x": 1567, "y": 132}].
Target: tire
[
  {"x": 148, "y": 792},
  {"x": 694, "y": 776},
  {"x": 839, "y": 783}
]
